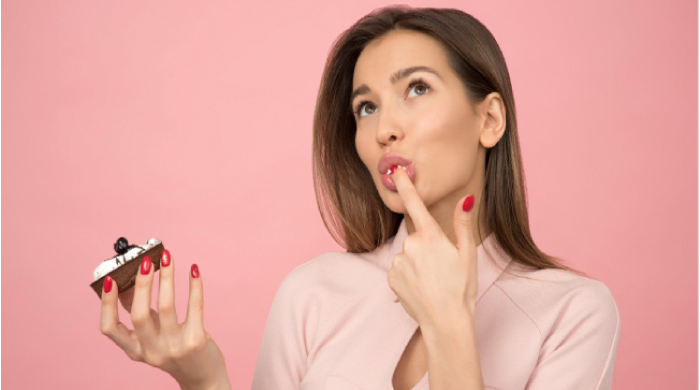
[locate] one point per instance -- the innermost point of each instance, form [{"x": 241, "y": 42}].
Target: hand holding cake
[{"x": 185, "y": 351}]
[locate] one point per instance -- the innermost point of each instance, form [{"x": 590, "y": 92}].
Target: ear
[{"x": 493, "y": 111}]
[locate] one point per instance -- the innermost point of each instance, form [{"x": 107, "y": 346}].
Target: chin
[
  {"x": 392, "y": 200},
  {"x": 396, "y": 205}
]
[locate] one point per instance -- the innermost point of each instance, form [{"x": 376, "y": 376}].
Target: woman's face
[{"x": 423, "y": 116}]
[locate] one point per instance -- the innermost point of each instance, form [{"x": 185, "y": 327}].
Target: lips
[
  {"x": 388, "y": 160},
  {"x": 392, "y": 159}
]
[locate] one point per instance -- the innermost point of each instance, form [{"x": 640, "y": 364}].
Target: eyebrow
[{"x": 400, "y": 74}]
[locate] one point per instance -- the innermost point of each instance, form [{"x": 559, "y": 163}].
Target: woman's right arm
[
  {"x": 185, "y": 351},
  {"x": 281, "y": 362}
]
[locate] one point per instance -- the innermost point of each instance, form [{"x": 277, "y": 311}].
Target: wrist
[
  {"x": 209, "y": 373},
  {"x": 447, "y": 326},
  {"x": 220, "y": 382}
]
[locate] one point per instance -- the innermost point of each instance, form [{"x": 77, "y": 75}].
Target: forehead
[{"x": 395, "y": 50}]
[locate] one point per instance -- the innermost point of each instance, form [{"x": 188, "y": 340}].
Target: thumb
[{"x": 463, "y": 224}]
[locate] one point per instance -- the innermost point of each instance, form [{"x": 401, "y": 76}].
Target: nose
[{"x": 389, "y": 126}]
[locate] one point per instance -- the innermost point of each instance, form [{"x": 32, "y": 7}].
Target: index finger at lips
[
  {"x": 109, "y": 319},
  {"x": 414, "y": 204}
]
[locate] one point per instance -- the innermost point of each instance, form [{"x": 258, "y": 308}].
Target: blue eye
[{"x": 415, "y": 83}]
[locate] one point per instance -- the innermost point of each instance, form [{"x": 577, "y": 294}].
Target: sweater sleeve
[
  {"x": 281, "y": 362},
  {"x": 579, "y": 352}
]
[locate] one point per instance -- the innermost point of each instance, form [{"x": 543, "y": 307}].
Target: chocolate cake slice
[{"x": 124, "y": 267}]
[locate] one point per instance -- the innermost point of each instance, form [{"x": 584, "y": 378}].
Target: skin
[
  {"x": 184, "y": 350},
  {"x": 433, "y": 127},
  {"x": 436, "y": 129}
]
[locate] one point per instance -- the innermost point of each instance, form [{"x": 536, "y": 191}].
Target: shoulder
[
  {"x": 311, "y": 293},
  {"x": 555, "y": 297},
  {"x": 547, "y": 286},
  {"x": 577, "y": 320},
  {"x": 333, "y": 275}
]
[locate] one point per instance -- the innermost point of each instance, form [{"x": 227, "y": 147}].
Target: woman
[{"x": 417, "y": 165}]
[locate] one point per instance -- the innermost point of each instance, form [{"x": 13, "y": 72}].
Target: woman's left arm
[
  {"x": 453, "y": 358},
  {"x": 435, "y": 281}
]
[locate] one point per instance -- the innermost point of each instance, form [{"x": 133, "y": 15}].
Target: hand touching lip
[
  {"x": 390, "y": 159},
  {"x": 432, "y": 276},
  {"x": 388, "y": 181}
]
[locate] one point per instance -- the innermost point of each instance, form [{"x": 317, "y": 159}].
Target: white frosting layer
[{"x": 110, "y": 265}]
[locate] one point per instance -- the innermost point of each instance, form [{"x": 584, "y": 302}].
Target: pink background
[{"x": 192, "y": 123}]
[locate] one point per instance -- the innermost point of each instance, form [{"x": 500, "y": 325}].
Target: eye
[
  {"x": 420, "y": 86},
  {"x": 361, "y": 105}
]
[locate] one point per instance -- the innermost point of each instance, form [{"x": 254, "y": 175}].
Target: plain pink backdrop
[{"x": 191, "y": 122}]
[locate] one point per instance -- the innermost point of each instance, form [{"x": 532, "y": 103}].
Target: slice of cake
[{"x": 124, "y": 267}]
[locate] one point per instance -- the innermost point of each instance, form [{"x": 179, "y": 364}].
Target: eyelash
[{"x": 414, "y": 83}]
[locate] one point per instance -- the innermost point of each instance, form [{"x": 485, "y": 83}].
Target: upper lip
[{"x": 388, "y": 160}]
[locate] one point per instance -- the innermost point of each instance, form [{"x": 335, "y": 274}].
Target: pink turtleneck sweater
[{"x": 333, "y": 325}]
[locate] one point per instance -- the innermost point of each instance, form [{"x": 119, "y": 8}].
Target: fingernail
[
  {"x": 195, "y": 271},
  {"x": 394, "y": 168},
  {"x": 468, "y": 203},
  {"x": 108, "y": 284},
  {"x": 146, "y": 265},
  {"x": 165, "y": 258}
]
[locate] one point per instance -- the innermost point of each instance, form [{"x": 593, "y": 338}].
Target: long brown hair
[{"x": 345, "y": 192}]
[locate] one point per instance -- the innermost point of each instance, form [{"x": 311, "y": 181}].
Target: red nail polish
[
  {"x": 108, "y": 284},
  {"x": 146, "y": 265},
  {"x": 195, "y": 271},
  {"x": 165, "y": 258},
  {"x": 394, "y": 168},
  {"x": 468, "y": 203}
]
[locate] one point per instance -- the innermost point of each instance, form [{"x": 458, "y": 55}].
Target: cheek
[
  {"x": 435, "y": 125},
  {"x": 361, "y": 146},
  {"x": 442, "y": 139}
]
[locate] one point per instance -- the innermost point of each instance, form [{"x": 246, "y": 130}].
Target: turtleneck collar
[{"x": 487, "y": 271}]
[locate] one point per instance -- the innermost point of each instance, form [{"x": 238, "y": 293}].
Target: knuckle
[
  {"x": 425, "y": 236},
  {"x": 195, "y": 343},
  {"x": 177, "y": 351},
  {"x": 432, "y": 236},
  {"x": 392, "y": 284},
  {"x": 106, "y": 329},
  {"x": 138, "y": 318},
  {"x": 166, "y": 307},
  {"x": 135, "y": 356},
  {"x": 409, "y": 244},
  {"x": 153, "y": 359},
  {"x": 197, "y": 304}
]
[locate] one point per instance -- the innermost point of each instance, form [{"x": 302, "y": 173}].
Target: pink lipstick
[{"x": 392, "y": 159}]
